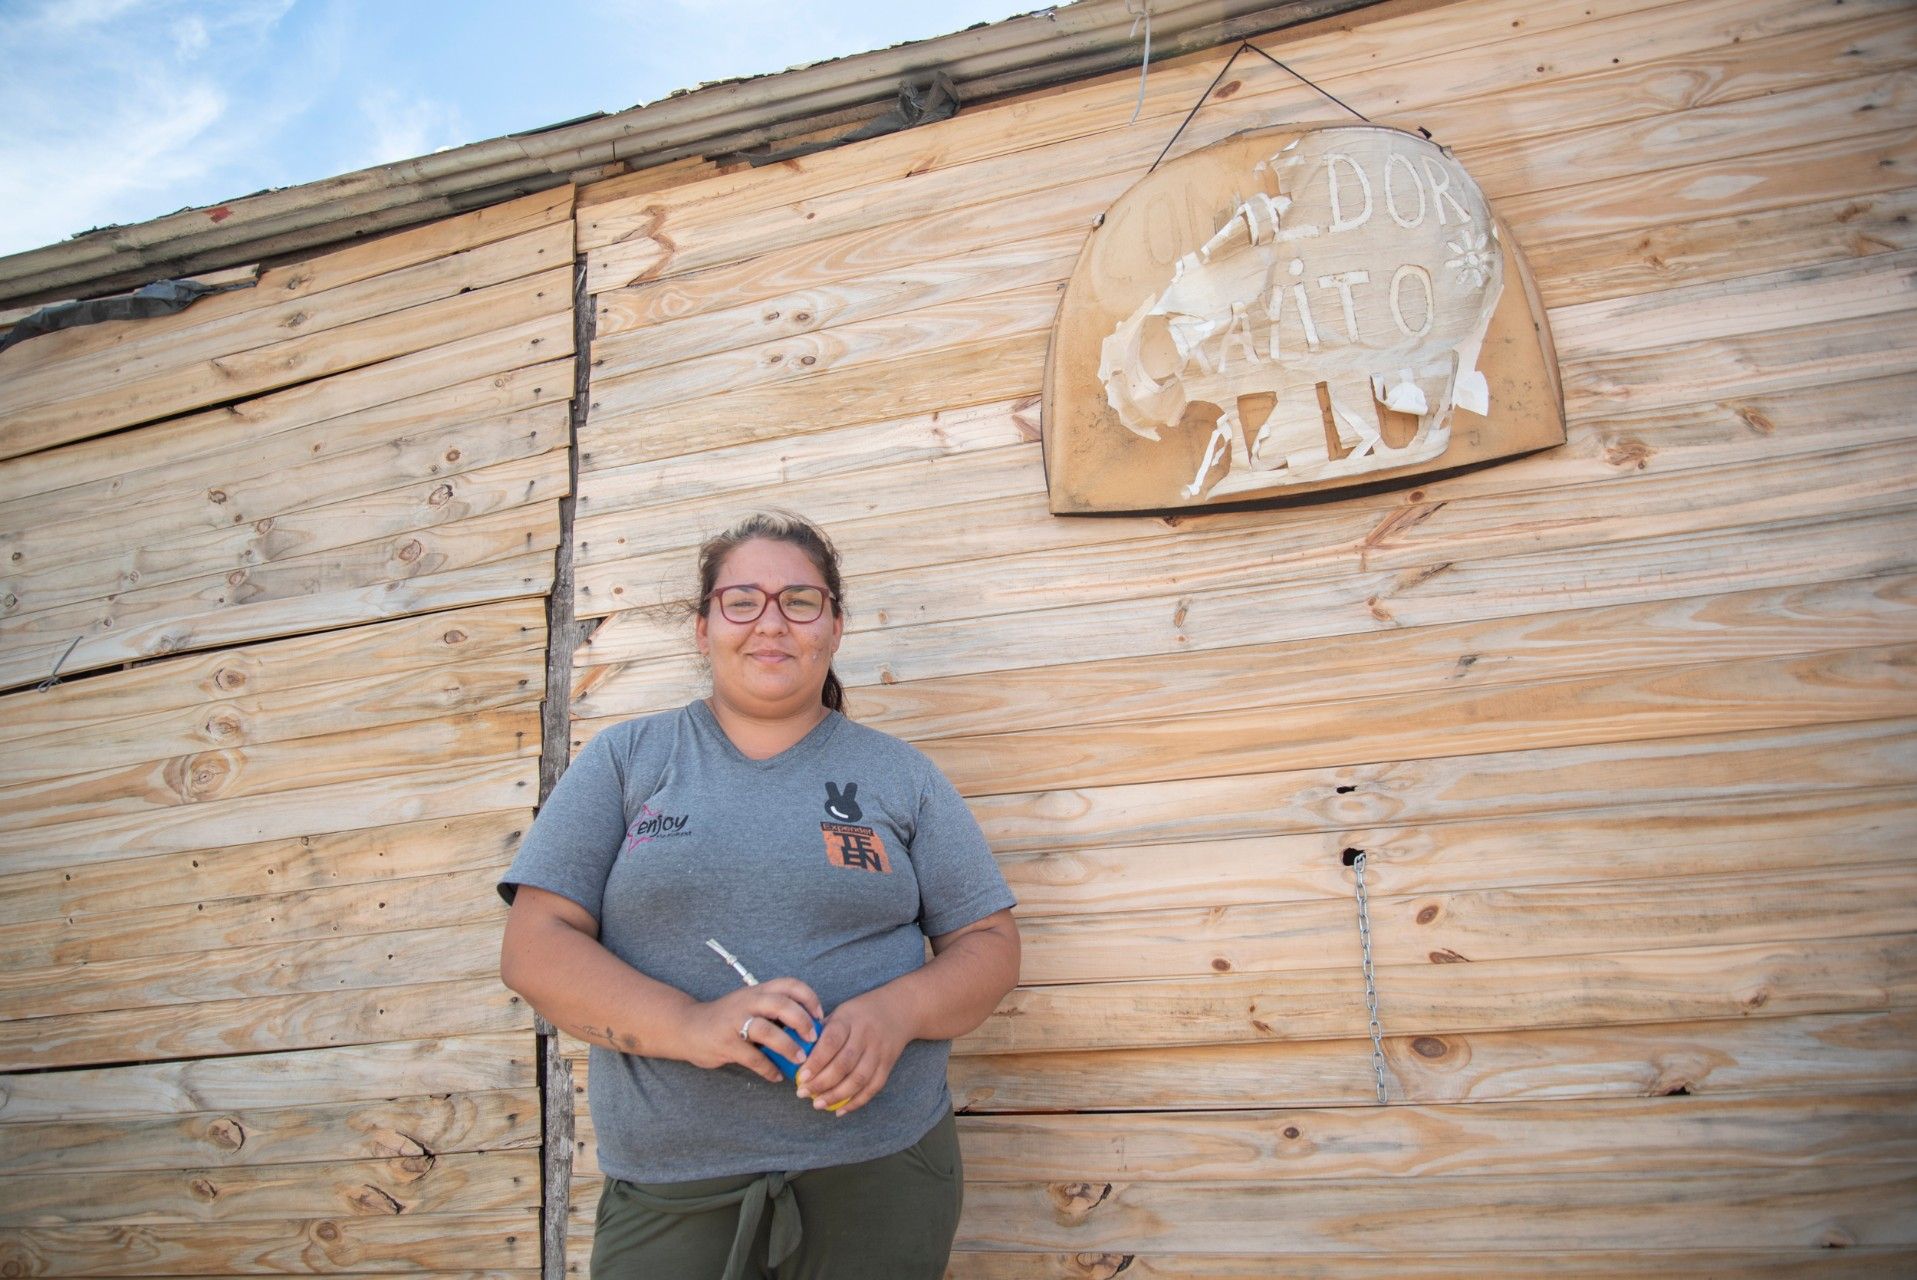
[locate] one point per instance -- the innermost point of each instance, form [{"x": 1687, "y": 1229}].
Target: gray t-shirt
[{"x": 832, "y": 862}]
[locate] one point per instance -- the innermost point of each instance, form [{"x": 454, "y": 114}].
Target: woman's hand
[
  {"x": 710, "y": 1033},
  {"x": 855, "y": 1055}
]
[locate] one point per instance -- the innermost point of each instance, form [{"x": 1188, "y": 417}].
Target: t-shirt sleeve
[
  {"x": 571, "y": 845},
  {"x": 959, "y": 880}
]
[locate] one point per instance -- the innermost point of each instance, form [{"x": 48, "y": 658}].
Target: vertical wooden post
[{"x": 564, "y": 633}]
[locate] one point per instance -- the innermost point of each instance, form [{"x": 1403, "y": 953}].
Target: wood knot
[
  {"x": 1291, "y": 1131},
  {"x": 1100, "y": 1266},
  {"x": 1221, "y": 964},
  {"x": 224, "y": 725},
  {"x": 229, "y": 678},
  {"x": 216, "y": 496},
  {"x": 455, "y": 636},
  {"x": 1427, "y": 914},
  {"x": 263, "y": 525},
  {"x": 326, "y": 1231},
  {"x": 417, "y": 1166},
  {"x": 1076, "y": 1199},
  {"x": 370, "y": 1199},
  {"x": 1429, "y": 1047},
  {"x": 1628, "y": 454},
  {"x": 1445, "y": 955},
  {"x": 226, "y": 1133},
  {"x": 440, "y": 495},
  {"x": 409, "y": 550},
  {"x": 1228, "y": 88},
  {"x": 204, "y": 1189}
]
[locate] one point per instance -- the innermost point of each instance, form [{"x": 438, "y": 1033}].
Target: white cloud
[
  {"x": 190, "y": 36},
  {"x": 109, "y": 113},
  {"x": 407, "y": 125}
]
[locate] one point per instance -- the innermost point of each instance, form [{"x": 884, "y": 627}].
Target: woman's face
[{"x": 771, "y": 667}]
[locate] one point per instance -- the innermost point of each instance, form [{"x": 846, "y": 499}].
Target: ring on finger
[{"x": 745, "y": 1027}]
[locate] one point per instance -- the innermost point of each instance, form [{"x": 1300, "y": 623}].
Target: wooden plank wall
[
  {"x": 250, "y": 1019},
  {"x": 1627, "y": 731}
]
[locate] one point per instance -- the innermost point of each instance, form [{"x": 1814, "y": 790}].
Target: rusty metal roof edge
[{"x": 1030, "y": 51}]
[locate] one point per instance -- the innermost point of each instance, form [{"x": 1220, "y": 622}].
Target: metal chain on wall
[{"x": 1371, "y": 985}]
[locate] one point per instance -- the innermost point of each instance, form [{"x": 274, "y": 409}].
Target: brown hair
[{"x": 778, "y": 526}]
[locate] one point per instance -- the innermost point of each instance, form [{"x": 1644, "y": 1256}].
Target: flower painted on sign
[{"x": 1473, "y": 263}]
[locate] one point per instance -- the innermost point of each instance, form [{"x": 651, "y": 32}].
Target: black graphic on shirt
[
  {"x": 843, "y": 807},
  {"x": 650, "y": 825}
]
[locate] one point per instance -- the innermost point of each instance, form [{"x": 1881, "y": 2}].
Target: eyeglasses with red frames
[{"x": 745, "y": 602}]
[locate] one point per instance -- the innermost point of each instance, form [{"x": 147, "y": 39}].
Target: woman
[{"x": 822, "y": 855}]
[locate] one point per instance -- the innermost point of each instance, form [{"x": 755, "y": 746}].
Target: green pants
[{"x": 893, "y": 1217}]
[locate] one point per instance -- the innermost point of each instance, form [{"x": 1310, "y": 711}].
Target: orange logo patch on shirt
[{"x": 857, "y": 848}]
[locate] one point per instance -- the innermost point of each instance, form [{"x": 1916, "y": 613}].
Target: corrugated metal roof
[{"x": 1050, "y": 46}]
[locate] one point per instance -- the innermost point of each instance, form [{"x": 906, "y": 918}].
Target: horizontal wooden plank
[
  {"x": 1695, "y": 983},
  {"x": 953, "y": 484},
  {"x": 794, "y": 365},
  {"x": 1143, "y": 598},
  {"x": 955, "y": 378},
  {"x": 274, "y": 286},
  {"x": 264, "y": 1024},
  {"x": 336, "y": 1243},
  {"x": 832, "y": 451},
  {"x": 1745, "y": 365},
  {"x": 1813, "y": 112},
  {"x": 1711, "y": 249},
  {"x": 434, "y": 526},
  {"x": 1776, "y": 177},
  {"x": 1696, "y": 836},
  {"x": 154, "y": 351},
  {"x": 1654, "y": 702},
  {"x": 41, "y": 808},
  {"x": 806, "y": 277},
  {"x": 1810, "y": 1263},
  {"x": 1840, "y": 1206},
  {"x": 1444, "y": 592},
  {"x": 492, "y": 309},
  {"x": 1653, "y": 1136},
  {"x": 361, "y": 1073},
  {"x": 1795, "y": 1056},
  {"x": 385, "y": 1129},
  {"x": 625, "y": 344},
  {"x": 273, "y": 967},
  {"x": 401, "y": 407},
  {"x": 271, "y": 669},
  {"x": 1723, "y": 627},
  {"x": 1239, "y": 934},
  {"x": 525, "y": 574},
  {"x": 499, "y": 684},
  {"x": 381, "y": 801},
  {"x": 1793, "y": 298},
  {"x": 1350, "y": 800},
  {"x": 215, "y": 514},
  {"x": 422, "y": 1185},
  {"x": 249, "y": 879}
]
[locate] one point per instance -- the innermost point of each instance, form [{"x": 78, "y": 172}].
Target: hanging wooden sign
[{"x": 1293, "y": 310}]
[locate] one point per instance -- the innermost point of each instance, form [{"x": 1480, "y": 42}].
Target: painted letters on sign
[{"x": 1292, "y": 310}]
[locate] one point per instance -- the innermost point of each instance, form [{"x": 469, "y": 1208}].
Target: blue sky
[{"x": 117, "y": 111}]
